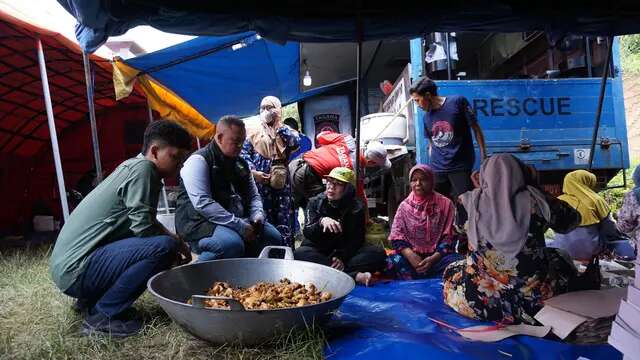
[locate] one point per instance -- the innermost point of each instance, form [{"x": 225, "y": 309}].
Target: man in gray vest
[{"x": 219, "y": 210}]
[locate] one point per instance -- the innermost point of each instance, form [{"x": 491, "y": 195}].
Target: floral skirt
[{"x": 471, "y": 291}]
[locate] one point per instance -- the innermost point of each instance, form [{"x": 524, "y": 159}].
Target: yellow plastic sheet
[{"x": 161, "y": 99}]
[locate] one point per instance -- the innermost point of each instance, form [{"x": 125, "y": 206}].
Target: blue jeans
[
  {"x": 226, "y": 243},
  {"x": 116, "y": 274}
]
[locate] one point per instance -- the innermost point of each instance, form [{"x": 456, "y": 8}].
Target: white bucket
[{"x": 372, "y": 125}]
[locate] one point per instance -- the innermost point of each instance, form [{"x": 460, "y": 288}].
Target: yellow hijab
[{"x": 578, "y": 192}]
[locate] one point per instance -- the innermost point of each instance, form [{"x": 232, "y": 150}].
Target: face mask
[{"x": 269, "y": 116}]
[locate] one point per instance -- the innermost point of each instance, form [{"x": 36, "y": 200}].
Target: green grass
[
  {"x": 630, "y": 54},
  {"x": 36, "y": 322},
  {"x": 614, "y": 197}
]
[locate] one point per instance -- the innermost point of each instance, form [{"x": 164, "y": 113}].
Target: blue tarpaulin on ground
[
  {"x": 227, "y": 75},
  {"x": 389, "y": 321},
  {"x": 349, "y": 20}
]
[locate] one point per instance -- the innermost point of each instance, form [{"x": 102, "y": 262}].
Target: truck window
[{"x": 523, "y": 55}]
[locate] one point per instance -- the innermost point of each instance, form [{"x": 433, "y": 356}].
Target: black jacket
[
  {"x": 351, "y": 215},
  {"x": 228, "y": 178}
]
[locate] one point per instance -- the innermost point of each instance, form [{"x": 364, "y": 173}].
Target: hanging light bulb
[
  {"x": 306, "y": 81},
  {"x": 238, "y": 46}
]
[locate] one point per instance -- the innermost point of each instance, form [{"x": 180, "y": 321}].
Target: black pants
[
  {"x": 453, "y": 184},
  {"x": 116, "y": 274},
  {"x": 369, "y": 258}
]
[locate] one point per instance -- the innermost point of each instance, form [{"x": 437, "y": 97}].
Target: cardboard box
[
  {"x": 633, "y": 295},
  {"x": 630, "y": 314},
  {"x": 625, "y": 340}
]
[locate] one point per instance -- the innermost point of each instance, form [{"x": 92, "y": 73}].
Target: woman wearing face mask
[
  {"x": 422, "y": 232},
  {"x": 267, "y": 150}
]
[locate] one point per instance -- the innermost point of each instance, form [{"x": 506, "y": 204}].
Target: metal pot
[{"x": 172, "y": 288}]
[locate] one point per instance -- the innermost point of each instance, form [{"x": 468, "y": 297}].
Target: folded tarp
[{"x": 390, "y": 321}]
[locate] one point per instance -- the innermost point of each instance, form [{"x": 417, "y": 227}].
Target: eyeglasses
[{"x": 334, "y": 183}]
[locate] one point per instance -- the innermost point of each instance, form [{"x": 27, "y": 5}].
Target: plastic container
[{"x": 372, "y": 125}]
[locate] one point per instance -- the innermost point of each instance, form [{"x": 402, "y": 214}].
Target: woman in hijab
[
  {"x": 267, "y": 150},
  {"x": 334, "y": 231},
  {"x": 596, "y": 227},
  {"x": 629, "y": 214},
  {"x": 422, "y": 233},
  {"x": 509, "y": 272}
]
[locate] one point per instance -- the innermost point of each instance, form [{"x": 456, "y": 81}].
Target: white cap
[{"x": 377, "y": 153}]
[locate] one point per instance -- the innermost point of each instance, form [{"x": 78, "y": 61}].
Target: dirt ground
[{"x": 631, "y": 85}]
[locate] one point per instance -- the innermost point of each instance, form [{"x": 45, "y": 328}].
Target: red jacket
[{"x": 333, "y": 152}]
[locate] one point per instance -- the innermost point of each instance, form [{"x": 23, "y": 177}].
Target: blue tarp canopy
[
  {"x": 349, "y": 20},
  {"x": 228, "y": 74}
]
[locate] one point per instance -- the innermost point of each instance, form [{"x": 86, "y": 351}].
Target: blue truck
[{"x": 542, "y": 110}]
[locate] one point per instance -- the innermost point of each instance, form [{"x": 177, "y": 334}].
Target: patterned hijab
[
  {"x": 423, "y": 221},
  {"x": 578, "y": 192},
  {"x": 264, "y": 137},
  {"x": 500, "y": 209}
]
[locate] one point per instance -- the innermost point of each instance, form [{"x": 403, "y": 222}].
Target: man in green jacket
[{"x": 112, "y": 243}]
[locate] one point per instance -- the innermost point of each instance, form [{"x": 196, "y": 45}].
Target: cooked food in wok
[{"x": 267, "y": 296}]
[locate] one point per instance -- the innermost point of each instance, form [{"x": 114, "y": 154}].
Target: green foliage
[
  {"x": 291, "y": 110},
  {"x": 614, "y": 197},
  {"x": 630, "y": 43},
  {"x": 630, "y": 54}
]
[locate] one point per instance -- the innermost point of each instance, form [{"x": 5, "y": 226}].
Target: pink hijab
[{"x": 423, "y": 221}]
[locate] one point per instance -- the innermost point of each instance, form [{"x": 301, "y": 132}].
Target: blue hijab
[{"x": 636, "y": 183}]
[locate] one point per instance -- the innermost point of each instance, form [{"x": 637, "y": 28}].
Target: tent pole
[
  {"x": 150, "y": 112},
  {"x": 358, "y": 78},
  {"x": 603, "y": 84},
  {"x": 446, "y": 37},
  {"x": 92, "y": 116},
  {"x": 165, "y": 200},
  {"x": 52, "y": 131}
]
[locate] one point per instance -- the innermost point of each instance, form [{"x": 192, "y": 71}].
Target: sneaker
[
  {"x": 129, "y": 314},
  {"x": 100, "y": 324}
]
